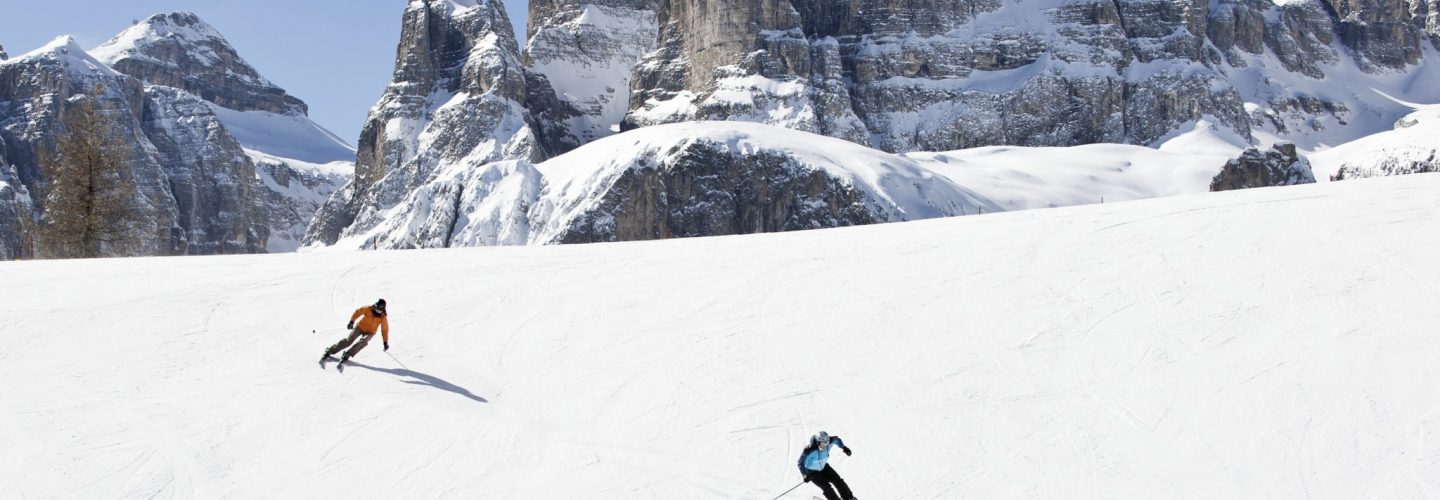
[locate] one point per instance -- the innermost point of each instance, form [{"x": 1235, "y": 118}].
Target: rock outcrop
[{"x": 1280, "y": 166}]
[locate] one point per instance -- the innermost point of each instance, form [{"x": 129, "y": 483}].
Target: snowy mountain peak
[
  {"x": 63, "y": 49},
  {"x": 180, "y": 50},
  {"x": 182, "y": 28},
  {"x": 451, "y": 6}
]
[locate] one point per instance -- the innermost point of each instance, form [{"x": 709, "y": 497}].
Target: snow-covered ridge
[
  {"x": 64, "y": 49},
  {"x": 517, "y": 203}
]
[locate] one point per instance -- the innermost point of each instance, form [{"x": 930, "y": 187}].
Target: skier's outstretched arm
[{"x": 358, "y": 314}]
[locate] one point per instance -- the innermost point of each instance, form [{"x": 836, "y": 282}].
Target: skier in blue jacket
[{"x": 813, "y": 467}]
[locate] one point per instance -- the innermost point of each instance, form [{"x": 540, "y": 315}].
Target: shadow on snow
[{"x": 422, "y": 379}]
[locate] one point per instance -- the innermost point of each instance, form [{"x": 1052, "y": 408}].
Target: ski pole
[
  {"x": 792, "y": 488},
  {"x": 392, "y": 356}
]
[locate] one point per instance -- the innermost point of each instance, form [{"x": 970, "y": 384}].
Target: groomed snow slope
[{"x": 1269, "y": 343}]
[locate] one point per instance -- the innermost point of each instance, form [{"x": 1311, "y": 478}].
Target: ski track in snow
[{"x": 1270, "y": 343}]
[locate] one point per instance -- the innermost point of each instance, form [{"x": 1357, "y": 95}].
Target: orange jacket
[{"x": 369, "y": 321}]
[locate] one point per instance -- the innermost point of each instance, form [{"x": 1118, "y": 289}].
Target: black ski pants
[{"x": 829, "y": 482}]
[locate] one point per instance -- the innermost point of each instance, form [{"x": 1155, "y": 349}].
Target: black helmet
[{"x": 380, "y": 305}]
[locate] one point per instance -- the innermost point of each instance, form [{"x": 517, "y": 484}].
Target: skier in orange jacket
[{"x": 372, "y": 318}]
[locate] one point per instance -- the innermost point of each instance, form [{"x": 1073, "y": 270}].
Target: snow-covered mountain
[
  {"x": 943, "y": 80},
  {"x": 200, "y": 118},
  {"x": 300, "y": 163},
  {"x": 458, "y": 97},
  {"x": 35, "y": 91},
  {"x": 1257, "y": 344}
]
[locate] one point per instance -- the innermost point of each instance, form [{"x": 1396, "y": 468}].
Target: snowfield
[{"x": 1269, "y": 343}]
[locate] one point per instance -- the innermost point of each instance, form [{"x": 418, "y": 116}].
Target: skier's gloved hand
[
  {"x": 807, "y": 478},
  {"x": 847, "y": 451},
  {"x": 387, "y": 346},
  {"x": 350, "y": 325}
]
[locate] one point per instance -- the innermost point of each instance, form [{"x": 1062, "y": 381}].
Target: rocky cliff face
[
  {"x": 457, "y": 96},
  {"x": 16, "y": 210},
  {"x": 1280, "y": 166},
  {"x": 36, "y": 91},
  {"x": 948, "y": 74},
  {"x": 218, "y": 204}
]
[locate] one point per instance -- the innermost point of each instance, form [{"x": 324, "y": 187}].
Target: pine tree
[{"x": 89, "y": 207}]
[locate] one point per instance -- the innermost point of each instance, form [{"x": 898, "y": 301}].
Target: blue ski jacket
[{"x": 813, "y": 459}]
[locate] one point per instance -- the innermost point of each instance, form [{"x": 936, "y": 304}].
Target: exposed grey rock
[
  {"x": 219, "y": 204},
  {"x": 949, "y": 74},
  {"x": 1426, "y": 14},
  {"x": 708, "y": 190},
  {"x": 1280, "y": 166},
  {"x": 1381, "y": 32},
  {"x": 16, "y": 209},
  {"x": 180, "y": 50}
]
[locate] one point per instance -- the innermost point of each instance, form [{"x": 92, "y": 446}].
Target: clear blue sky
[{"x": 336, "y": 55}]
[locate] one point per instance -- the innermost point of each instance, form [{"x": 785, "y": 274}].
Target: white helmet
[{"x": 821, "y": 438}]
